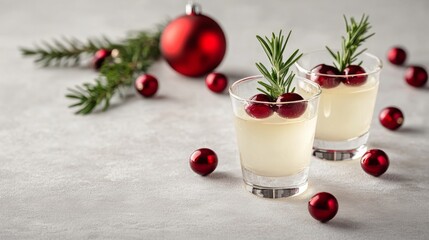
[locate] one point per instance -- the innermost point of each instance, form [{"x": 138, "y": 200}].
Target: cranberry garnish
[
  {"x": 146, "y": 85},
  {"x": 375, "y": 162},
  {"x": 354, "y": 80},
  {"x": 203, "y": 161},
  {"x": 290, "y": 110},
  {"x": 391, "y": 118},
  {"x": 323, "y": 206},
  {"x": 325, "y": 81},
  {"x": 416, "y": 76},
  {"x": 397, "y": 56},
  {"x": 259, "y": 110}
]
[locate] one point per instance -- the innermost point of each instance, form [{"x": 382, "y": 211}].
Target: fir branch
[
  {"x": 279, "y": 78},
  {"x": 65, "y": 50},
  {"x": 136, "y": 55},
  {"x": 356, "y": 35}
]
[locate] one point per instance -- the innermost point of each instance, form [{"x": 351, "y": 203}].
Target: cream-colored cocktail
[
  {"x": 275, "y": 147},
  {"x": 346, "y": 112}
]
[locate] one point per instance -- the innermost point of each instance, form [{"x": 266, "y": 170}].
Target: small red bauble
[
  {"x": 259, "y": 110},
  {"x": 396, "y": 56},
  {"x": 203, "y": 161},
  {"x": 354, "y": 80},
  {"x": 193, "y": 44},
  {"x": 416, "y": 76},
  {"x": 99, "y": 58},
  {"x": 216, "y": 82},
  {"x": 146, "y": 85},
  {"x": 325, "y": 81},
  {"x": 391, "y": 118},
  {"x": 323, "y": 206},
  {"x": 290, "y": 110},
  {"x": 375, "y": 162}
]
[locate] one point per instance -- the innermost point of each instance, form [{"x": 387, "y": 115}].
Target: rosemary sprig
[
  {"x": 280, "y": 77},
  {"x": 356, "y": 35},
  {"x": 135, "y": 55}
]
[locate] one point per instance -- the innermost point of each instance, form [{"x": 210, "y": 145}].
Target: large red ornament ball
[
  {"x": 146, "y": 85},
  {"x": 391, "y": 118},
  {"x": 416, "y": 76},
  {"x": 323, "y": 206},
  {"x": 203, "y": 161},
  {"x": 375, "y": 162},
  {"x": 396, "y": 55},
  {"x": 193, "y": 44},
  {"x": 216, "y": 82}
]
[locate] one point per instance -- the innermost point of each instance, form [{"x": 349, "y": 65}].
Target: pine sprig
[
  {"x": 66, "y": 51},
  {"x": 134, "y": 56},
  {"x": 356, "y": 35},
  {"x": 279, "y": 78}
]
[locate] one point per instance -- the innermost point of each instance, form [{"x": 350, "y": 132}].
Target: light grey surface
[{"x": 124, "y": 174}]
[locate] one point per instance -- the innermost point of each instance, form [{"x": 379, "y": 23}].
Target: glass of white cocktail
[
  {"x": 275, "y": 139},
  {"x": 349, "y": 78},
  {"x": 345, "y": 110}
]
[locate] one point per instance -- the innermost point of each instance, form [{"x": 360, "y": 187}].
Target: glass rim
[
  {"x": 314, "y": 96},
  {"x": 306, "y": 71}
]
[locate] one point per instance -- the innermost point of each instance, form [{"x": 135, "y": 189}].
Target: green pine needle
[
  {"x": 356, "y": 35},
  {"x": 279, "y": 78},
  {"x": 135, "y": 55}
]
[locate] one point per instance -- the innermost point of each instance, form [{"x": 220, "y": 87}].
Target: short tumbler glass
[
  {"x": 275, "y": 151},
  {"x": 345, "y": 111}
]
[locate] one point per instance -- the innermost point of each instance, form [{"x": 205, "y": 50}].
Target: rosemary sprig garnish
[
  {"x": 356, "y": 35},
  {"x": 134, "y": 56},
  {"x": 280, "y": 78}
]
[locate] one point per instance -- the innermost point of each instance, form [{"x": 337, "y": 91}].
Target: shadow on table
[
  {"x": 411, "y": 130},
  {"x": 394, "y": 177},
  {"x": 343, "y": 223},
  {"x": 225, "y": 177}
]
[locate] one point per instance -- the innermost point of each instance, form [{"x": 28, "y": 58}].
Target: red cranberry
[
  {"x": 99, "y": 58},
  {"x": 416, "y": 76},
  {"x": 323, "y": 206},
  {"x": 259, "y": 110},
  {"x": 146, "y": 85},
  {"x": 397, "y": 56},
  {"x": 325, "y": 81},
  {"x": 203, "y": 161},
  {"x": 375, "y": 162},
  {"x": 354, "y": 80},
  {"x": 290, "y": 110},
  {"x": 216, "y": 82},
  {"x": 391, "y": 118}
]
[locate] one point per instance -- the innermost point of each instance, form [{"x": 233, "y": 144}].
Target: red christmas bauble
[
  {"x": 416, "y": 76},
  {"x": 146, "y": 85},
  {"x": 375, "y": 162},
  {"x": 203, "y": 161},
  {"x": 216, "y": 82},
  {"x": 323, "y": 206},
  {"x": 99, "y": 58},
  {"x": 391, "y": 118},
  {"x": 397, "y": 56},
  {"x": 193, "y": 44}
]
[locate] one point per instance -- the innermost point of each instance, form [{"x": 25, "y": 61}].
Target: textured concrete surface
[{"x": 124, "y": 174}]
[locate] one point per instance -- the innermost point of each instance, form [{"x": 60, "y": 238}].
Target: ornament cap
[{"x": 193, "y": 8}]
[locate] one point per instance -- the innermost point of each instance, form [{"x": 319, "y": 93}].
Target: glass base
[
  {"x": 340, "y": 150},
  {"x": 275, "y": 187}
]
